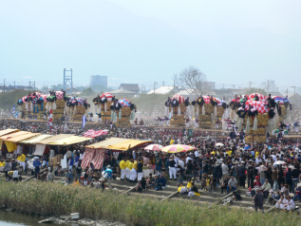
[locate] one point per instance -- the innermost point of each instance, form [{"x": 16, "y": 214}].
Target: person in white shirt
[
  {"x": 172, "y": 168},
  {"x": 274, "y": 157},
  {"x": 225, "y": 169},
  {"x": 258, "y": 160},
  {"x": 180, "y": 164},
  {"x": 16, "y": 176},
  {"x": 187, "y": 159},
  {"x": 281, "y": 203},
  {"x": 133, "y": 174},
  {"x": 197, "y": 154},
  {"x": 134, "y": 155},
  {"x": 284, "y": 189},
  {"x": 266, "y": 187},
  {"x": 177, "y": 161},
  {"x": 290, "y": 204}
]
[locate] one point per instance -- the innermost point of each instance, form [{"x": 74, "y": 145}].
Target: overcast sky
[{"x": 231, "y": 41}]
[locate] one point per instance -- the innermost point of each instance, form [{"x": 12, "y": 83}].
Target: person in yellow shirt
[
  {"x": 189, "y": 185},
  {"x": 122, "y": 166},
  {"x": 21, "y": 159},
  {"x": 130, "y": 166},
  {"x": 182, "y": 189},
  {"x": 209, "y": 183},
  {"x": 2, "y": 164},
  {"x": 135, "y": 164},
  {"x": 128, "y": 169},
  {"x": 229, "y": 153},
  {"x": 76, "y": 183}
]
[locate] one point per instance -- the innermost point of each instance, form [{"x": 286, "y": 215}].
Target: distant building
[
  {"x": 162, "y": 90},
  {"x": 130, "y": 87},
  {"x": 99, "y": 82},
  {"x": 122, "y": 92}
]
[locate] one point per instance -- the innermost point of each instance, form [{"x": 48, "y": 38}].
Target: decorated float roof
[
  {"x": 19, "y": 136},
  {"x": 118, "y": 144},
  {"x": 64, "y": 140},
  {"x": 7, "y": 131},
  {"x": 36, "y": 139}
]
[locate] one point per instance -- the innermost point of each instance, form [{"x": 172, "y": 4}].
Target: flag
[
  {"x": 50, "y": 119},
  {"x": 14, "y": 112},
  {"x": 84, "y": 121}
]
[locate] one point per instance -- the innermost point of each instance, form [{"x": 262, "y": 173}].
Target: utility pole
[
  {"x": 268, "y": 85},
  {"x": 175, "y": 78},
  {"x": 4, "y": 85},
  {"x": 155, "y": 85}
]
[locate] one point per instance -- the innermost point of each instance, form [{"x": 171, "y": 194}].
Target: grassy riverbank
[{"x": 55, "y": 199}]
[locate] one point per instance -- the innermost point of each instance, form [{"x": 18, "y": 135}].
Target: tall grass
[{"x": 55, "y": 199}]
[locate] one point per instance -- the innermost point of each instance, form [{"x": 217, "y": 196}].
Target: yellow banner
[{"x": 10, "y": 146}]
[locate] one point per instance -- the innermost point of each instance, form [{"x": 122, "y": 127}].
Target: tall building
[{"x": 99, "y": 82}]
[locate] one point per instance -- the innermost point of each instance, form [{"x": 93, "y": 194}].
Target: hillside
[{"x": 7, "y": 100}]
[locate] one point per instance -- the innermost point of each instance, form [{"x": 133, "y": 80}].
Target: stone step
[
  {"x": 208, "y": 199},
  {"x": 121, "y": 187},
  {"x": 147, "y": 195},
  {"x": 160, "y": 192}
]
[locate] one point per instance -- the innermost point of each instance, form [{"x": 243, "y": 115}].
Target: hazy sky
[{"x": 233, "y": 41}]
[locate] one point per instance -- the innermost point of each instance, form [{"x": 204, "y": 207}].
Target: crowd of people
[{"x": 224, "y": 163}]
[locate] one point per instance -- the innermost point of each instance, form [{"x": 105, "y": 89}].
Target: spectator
[
  {"x": 232, "y": 184},
  {"x": 258, "y": 200}
]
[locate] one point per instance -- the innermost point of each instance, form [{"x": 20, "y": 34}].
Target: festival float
[
  {"x": 177, "y": 107},
  {"x": 55, "y": 104},
  {"x": 120, "y": 112},
  {"x": 33, "y": 106},
  {"x": 75, "y": 108},
  {"x": 36, "y": 105},
  {"x": 258, "y": 115},
  {"x": 208, "y": 111},
  {"x": 103, "y": 106},
  {"x": 123, "y": 112}
]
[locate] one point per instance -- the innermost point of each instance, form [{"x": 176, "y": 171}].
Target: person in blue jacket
[{"x": 37, "y": 165}]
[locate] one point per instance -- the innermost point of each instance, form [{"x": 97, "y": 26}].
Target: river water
[{"x": 15, "y": 219}]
